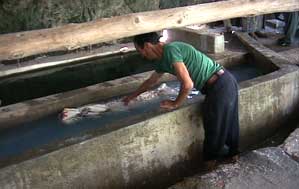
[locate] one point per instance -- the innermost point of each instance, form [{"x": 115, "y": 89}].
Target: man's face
[{"x": 147, "y": 52}]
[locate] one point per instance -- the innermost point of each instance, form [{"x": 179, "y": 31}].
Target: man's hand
[
  {"x": 147, "y": 84},
  {"x": 168, "y": 104}
]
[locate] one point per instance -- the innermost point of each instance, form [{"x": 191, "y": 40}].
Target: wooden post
[{"x": 73, "y": 36}]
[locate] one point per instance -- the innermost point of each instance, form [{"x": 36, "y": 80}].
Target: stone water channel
[
  {"x": 144, "y": 146},
  {"x": 37, "y": 135}
]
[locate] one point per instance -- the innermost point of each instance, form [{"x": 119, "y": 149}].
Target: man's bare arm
[
  {"x": 146, "y": 85},
  {"x": 185, "y": 79},
  {"x": 186, "y": 85}
]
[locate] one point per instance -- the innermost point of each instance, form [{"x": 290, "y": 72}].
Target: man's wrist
[{"x": 176, "y": 103}]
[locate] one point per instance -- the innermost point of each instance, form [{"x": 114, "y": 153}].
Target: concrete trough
[
  {"x": 155, "y": 148},
  {"x": 57, "y": 76}
]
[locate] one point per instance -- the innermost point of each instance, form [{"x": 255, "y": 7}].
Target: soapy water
[{"x": 71, "y": 115}]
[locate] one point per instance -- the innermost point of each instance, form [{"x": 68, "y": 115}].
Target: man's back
[{"x": 199, "y": 66}]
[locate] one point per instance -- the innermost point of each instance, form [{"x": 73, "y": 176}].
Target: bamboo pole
[{"x": 73, "y": 36}]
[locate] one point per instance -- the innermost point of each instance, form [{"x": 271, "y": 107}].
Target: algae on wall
[{"x": 24, "y": 15}]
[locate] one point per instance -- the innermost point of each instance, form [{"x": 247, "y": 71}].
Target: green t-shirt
[{"x": 199, "y": 66}]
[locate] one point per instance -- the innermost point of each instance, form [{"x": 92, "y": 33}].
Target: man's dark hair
[{"x": 152, "y": 37}]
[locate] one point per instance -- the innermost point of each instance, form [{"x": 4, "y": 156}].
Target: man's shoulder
[
  {"x": 180, "y": 45},
  {"x": 176, "y": 43}
]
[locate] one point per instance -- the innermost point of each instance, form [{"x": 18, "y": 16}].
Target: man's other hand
[{"x": 168, "y": 104}]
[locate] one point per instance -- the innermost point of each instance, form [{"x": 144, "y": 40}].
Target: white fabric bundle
[{"x": 70, "y": 115}]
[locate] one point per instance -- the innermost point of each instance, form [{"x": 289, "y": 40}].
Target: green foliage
[
  {"x": 23, "y": 15},
  {"x": 14, "y": 19}
]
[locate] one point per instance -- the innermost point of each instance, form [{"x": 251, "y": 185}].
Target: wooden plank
[{"x": 73, "y": 36}]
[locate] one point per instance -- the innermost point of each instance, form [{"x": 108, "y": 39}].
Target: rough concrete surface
[
  {"x": 264, "y": 168},
  {"x": 292, "y": 55},
  {"x": 291, "y": 145}
]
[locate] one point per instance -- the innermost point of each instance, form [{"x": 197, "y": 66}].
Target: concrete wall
[
  {"x": 44, "y": 82},
  {"x": 208, "y": 42},
  {"x": 151, "y": 152},
  {"x": 131, "y": 156}
]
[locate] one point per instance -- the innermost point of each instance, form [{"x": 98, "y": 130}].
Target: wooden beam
[{"x": 73, "y": 36}]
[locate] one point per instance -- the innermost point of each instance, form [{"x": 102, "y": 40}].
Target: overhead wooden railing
[{"x": 73, "y": 36}]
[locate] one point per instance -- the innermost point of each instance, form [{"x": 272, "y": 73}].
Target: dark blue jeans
[
  {"x": 221, "y": 118},
  {"x": 291, "y": 27}
]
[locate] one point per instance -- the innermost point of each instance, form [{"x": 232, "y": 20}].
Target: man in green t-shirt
[{"x": 194, "y": 69}]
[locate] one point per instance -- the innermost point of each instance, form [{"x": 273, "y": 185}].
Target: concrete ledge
[
  {"x": 204, "y": 41},
  {"x": 67, "y": 59},
  {"x": 292, "y": 55},
  {"x": 275, "y": 23}
]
